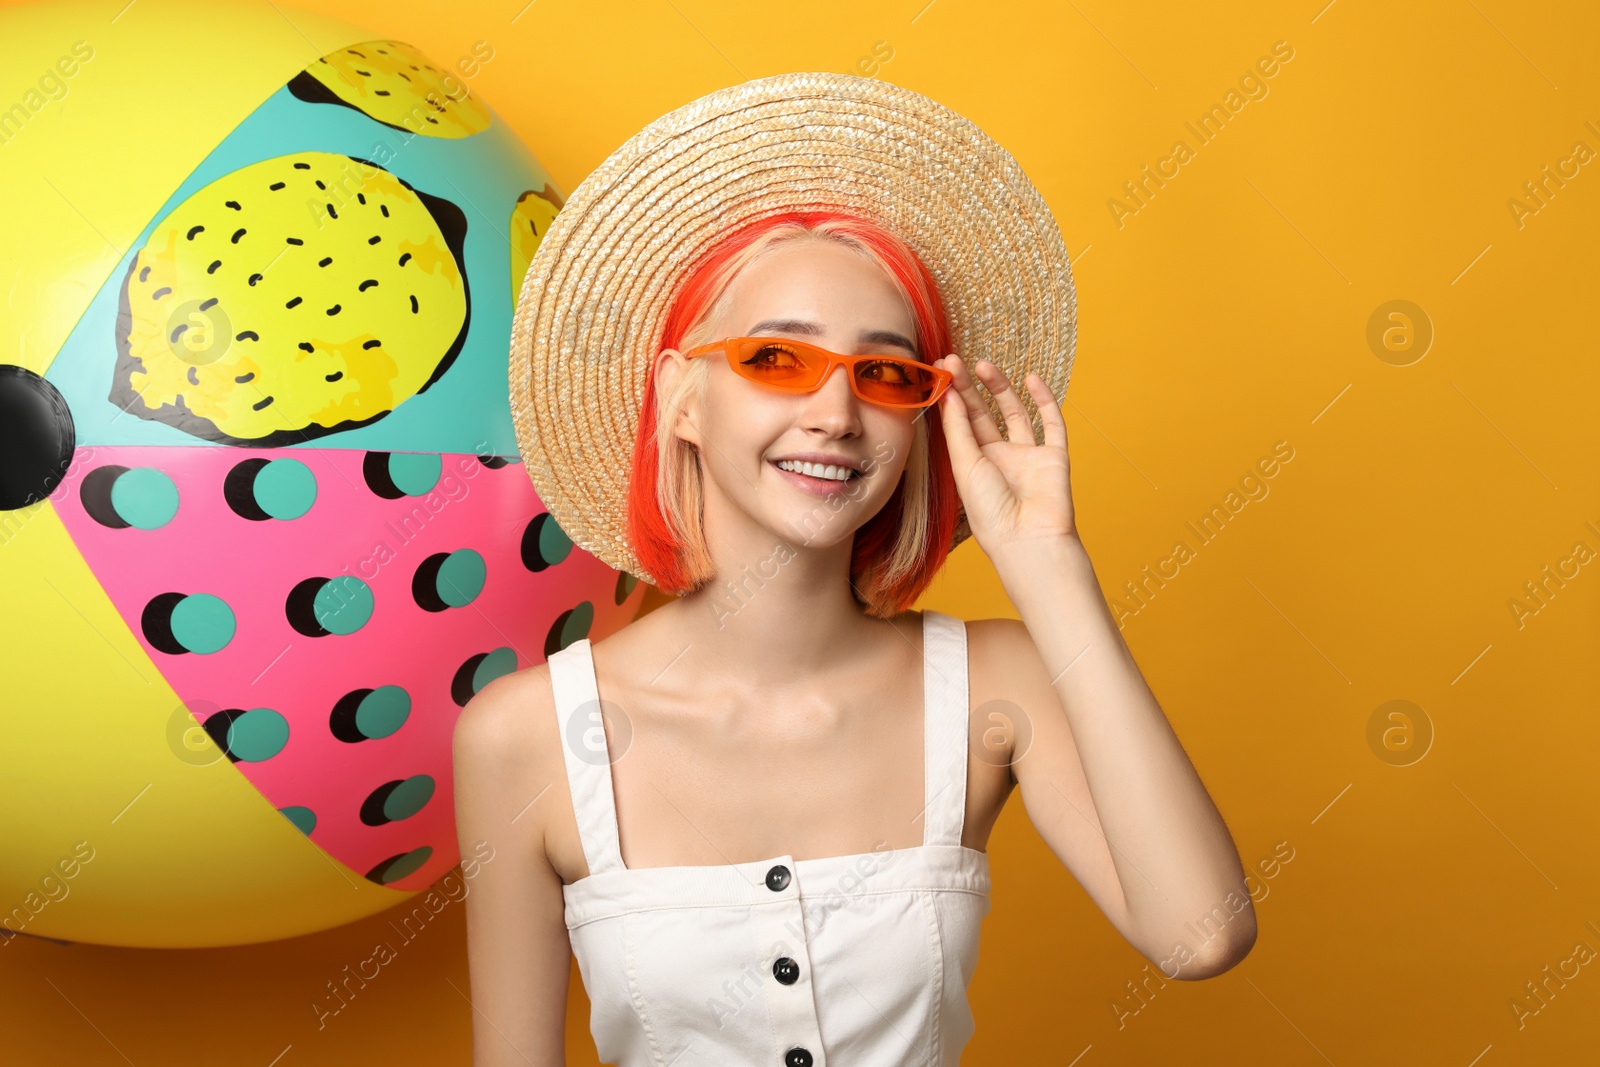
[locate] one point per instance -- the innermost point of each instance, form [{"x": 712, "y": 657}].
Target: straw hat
[{"x": 589, "y": 319}]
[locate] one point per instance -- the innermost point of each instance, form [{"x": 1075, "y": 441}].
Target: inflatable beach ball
[{"x": 263, "y": 526}]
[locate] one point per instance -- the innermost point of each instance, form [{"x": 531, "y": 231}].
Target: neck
[{"x": 776, "y": 612}]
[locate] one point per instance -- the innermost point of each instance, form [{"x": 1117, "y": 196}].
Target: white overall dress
[{"x": 843, "y": 961}]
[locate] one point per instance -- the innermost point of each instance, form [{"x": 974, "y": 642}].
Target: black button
[
  {"x": 786, "y": 970},
  {"x": 797, "y": 1057},
  {"x": 778, "y": 881}
]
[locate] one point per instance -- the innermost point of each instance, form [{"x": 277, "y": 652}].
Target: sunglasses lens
[
  {"x": 895, "y": 381},
  {"x": 776, "y": 364},
  {"x": 787, "y": 365}
]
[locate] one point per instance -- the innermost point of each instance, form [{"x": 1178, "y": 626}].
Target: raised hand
[{"x": 1016, "y": 492}]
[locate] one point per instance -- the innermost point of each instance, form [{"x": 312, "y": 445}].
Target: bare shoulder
[
  {"x": 1012, "y": 697},
  {"x": 1003, "y": 649},
  {"x": 504, "y": 718},
  {"x": 505, "y": 747},
  {"x": 1001, "y": 656}
]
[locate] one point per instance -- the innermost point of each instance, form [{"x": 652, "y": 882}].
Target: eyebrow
[{"x": 812, "y": 329}]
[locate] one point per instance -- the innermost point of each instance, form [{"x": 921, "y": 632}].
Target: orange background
[{"x": 1228, "y": 313}]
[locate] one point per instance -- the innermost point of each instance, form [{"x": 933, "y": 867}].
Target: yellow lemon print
[
  {"x": 290, "y": 299},
  {"x": 536, "y": 209},
  {"x": 393, "y": 83}
]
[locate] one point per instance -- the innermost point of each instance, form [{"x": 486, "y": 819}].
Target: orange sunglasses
[{"x": 892, "y": 381}]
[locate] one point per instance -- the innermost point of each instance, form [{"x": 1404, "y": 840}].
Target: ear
[{"x": 670, "y": 366}]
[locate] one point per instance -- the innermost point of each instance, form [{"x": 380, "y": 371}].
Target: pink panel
[{"x": 252, "y": 565}]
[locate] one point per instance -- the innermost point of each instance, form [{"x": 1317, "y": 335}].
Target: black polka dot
[
  {"x": 375, "y": 471},
  {"x": 239, "y": 490},
  {"x": 425, "y": 583},
  {"x": 217, "y": 726},
  {"x": 301, "y": 607},
  {"x": 400, "y": 866},
  {"x": 95, "y": 493},
  {"x": 156, "y": 622},
  {"x": 533, "y": 556},
  {"x": 372, "y": 808},
  {"x": 461, "y": 687},
  {"x": 342, "y": 722},
  {"x": 571, "y": 625}
]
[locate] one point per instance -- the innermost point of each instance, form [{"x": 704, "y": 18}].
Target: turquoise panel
[{"x": 465, "y": 411}]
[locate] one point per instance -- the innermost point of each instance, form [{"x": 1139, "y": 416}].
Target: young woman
[{"x": 755, "y": 813}]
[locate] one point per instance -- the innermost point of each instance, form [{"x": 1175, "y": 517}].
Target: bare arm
[
  {"x": 518, "y": 953},
  {"x": 1105, "y": 756},
  {"x": 1107, "y": 783}
]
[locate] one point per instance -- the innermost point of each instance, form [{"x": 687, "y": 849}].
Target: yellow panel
[
  {"x": 182, "y": 850},
  {"x": 91, "y": 156}
]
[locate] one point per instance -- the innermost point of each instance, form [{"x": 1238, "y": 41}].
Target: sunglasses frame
[{"x": 942, "y": 377}]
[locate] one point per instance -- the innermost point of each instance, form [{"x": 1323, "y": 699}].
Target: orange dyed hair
[{"x": 899, "y": 550}]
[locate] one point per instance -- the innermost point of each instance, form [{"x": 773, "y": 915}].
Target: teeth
[{"x": 816, "y": 470}]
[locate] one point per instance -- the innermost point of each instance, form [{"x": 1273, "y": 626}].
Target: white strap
[
  {"x": 583, "y": 743},
  {"x": 945, "y": 726},
  {"x": 945, "y": 719}
]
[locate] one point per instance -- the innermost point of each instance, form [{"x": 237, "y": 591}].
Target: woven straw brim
[{"x": 589, "y": 318}]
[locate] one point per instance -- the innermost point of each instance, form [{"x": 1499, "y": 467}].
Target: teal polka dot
[
  {"x": 407, "y": 865},
  {"x": 500, "y": 661},
  {"x": 408, "y": 797},
  {"x": 383, "y": 711},
  {"x": 203, "y": 623},
  {"x": 286, "y": 488},
  {"x": 145, "y": 498},
  {"x": 343, "y": 605},
  {"x": 461, "y": 578},
  {"x": 415, "y": 473},
  {"x": 258, "y": 734},
  {"x": 577, "y": 624},
  {"x": 554, "y": 544},
  {"x": 304, "y": 819}
]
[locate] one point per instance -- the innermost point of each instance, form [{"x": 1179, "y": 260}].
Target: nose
[{"x": 832, "y": 406}]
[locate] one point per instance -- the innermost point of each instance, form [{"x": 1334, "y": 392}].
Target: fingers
[
  {"x": 1019, "y": 428},
  {"x": 1055, "y": 428},
  {"x": 982, "y": 426},
  {"x": 959, "y": 439}
]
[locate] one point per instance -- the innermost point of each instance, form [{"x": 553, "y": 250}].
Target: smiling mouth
[{"x": 804, "y": 470}]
